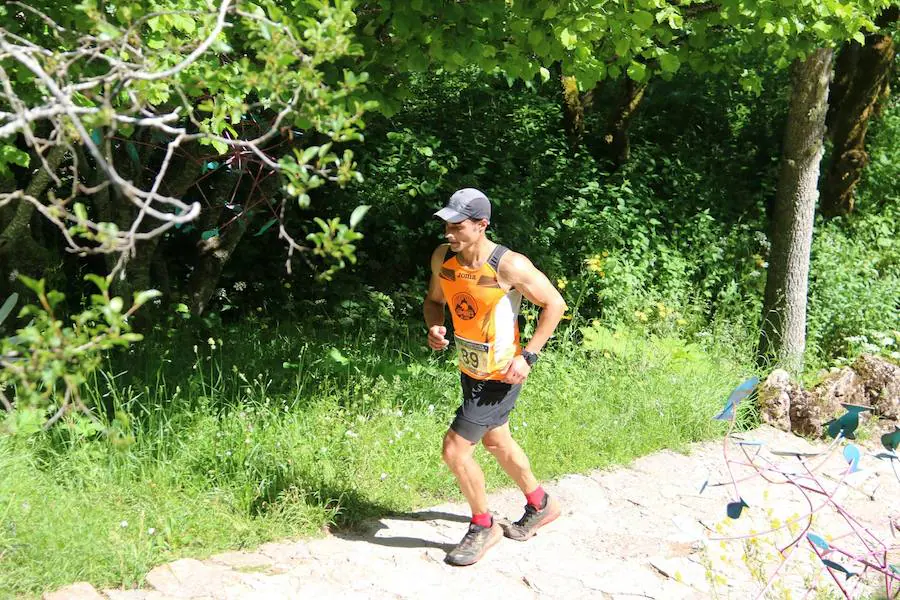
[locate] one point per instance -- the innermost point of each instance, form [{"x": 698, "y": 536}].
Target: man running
[{"x": 484, "y": 284}]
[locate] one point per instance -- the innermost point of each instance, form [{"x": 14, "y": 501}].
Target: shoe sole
[
  {"x": 492, "y": 541},
  {"x": 554, "y": 514}
]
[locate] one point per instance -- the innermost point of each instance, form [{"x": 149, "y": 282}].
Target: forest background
[{"x": 215, "y": 221}]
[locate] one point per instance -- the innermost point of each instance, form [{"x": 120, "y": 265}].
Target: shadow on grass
[{"x": 355, "y": 516}]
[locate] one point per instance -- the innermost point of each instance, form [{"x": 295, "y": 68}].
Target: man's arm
[
  {"x": 434, "y": 302},
  {"x": 518, "y": 272}
]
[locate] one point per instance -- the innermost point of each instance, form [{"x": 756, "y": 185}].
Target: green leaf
[
  {"x": 669, "y": 63},
  {"x": 11, "y": 154},
  {"x": 337, "y": 357},
  {"x": 308, "y": 154},
  {"x": 209, "y": 233},
  {"x": 8, "y": 306},
  {"x": 35, "y": 285},
  {"x": 642, "y": 19},
  {"x": 145, "y": 296},
  {"x": 637, "y": 71},
  {"x": 358, "y": 213},
  {"x": 221, "y": 147},
  {"x": 265, "y": 227},
  {"x": 859, "y": 38},
  {"x": 133, "y": 153},
  {"x": 101, "y": 282},
  {"x": 568, "y": 39},
  {"x": 622, "y": 46},
  {"x": 545, "y": 74}
]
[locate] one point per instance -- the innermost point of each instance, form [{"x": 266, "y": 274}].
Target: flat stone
[
  {"x": 242, "y": 560},
  {"x": 683, "y": 571},
  {"x": 75, "y": 591},
  {"x": 190, "y": 578}
]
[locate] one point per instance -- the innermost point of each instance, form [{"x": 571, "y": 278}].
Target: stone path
[{"x": 644, "y": 531}]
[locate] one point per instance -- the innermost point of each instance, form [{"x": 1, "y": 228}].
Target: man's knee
[
  {"x": 456, "y": 448},
  {"x": 498, "y": 441}
]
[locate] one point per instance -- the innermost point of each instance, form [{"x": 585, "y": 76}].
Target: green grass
[{"x": 227, "y": 448}]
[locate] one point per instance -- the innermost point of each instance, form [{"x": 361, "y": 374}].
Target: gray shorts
[{"x": 486, "y": 404}]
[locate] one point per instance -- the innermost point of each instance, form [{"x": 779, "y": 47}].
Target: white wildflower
[{"x": 123, "y": 524}]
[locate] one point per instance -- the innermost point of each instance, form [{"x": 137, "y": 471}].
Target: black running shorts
[{"x": 486, "y": 404}]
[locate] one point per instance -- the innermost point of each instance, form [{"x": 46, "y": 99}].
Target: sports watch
[{"x": 530, "y": 357}]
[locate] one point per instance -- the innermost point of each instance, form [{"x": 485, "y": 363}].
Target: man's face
[{"x": 462, "y": 235}]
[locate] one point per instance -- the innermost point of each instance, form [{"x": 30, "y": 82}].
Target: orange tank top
[{"x": 485, "y": 316}]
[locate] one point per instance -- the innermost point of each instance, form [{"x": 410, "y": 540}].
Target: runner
[{"x": 484, "y": 284}]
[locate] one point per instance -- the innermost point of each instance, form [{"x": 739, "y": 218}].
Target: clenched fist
[{"x": 436, "y": 339}]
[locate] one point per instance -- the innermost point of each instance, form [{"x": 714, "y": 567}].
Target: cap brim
[{"x": 450, "y": 215}]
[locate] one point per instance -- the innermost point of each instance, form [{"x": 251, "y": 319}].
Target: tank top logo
[{"x": 464, "y": 306}]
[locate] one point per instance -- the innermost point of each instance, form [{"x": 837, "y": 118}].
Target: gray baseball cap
[{"x": 467, "y": 203}]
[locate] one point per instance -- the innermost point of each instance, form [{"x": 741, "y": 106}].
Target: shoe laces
[
  {"x": 471, "y": 537},
  {"x": 530, "y": 513}
]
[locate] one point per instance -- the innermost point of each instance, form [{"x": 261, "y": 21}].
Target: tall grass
[{"x": 278, "y": 433}]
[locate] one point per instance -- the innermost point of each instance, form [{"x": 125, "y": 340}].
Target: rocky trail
[{"x": 645, "y": 531}]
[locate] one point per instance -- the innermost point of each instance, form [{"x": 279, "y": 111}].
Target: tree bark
[
  {"x": 614, "y": 146},
  {"x": 214, "y": 253},
  {"x": 137, "y": 276},
  {"x": 18, "y": 248},
  {"x": 575, "y": 105},
  {"x": 862, "y": 76},
  {"x": 783, "y": 333}
]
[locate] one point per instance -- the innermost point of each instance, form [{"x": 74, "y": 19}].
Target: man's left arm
[{"x": 520, "y": 273}]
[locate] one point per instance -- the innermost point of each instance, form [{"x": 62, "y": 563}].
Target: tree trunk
[
  {"x": 137, "y": 275},
  {"x": 862, "y": 75},
  {"x": 575, "y": 105},
  {"x": 614, "y": 145},
  {"x": 783, "y": 334},
  {"x": 214, "y": 253},
  {"x": 18, "y": 248}
]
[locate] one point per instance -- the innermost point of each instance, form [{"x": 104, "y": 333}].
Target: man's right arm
[{"x": 435, "y": 302}]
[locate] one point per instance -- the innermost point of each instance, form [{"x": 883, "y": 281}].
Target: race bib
[
  {"x": 474, "y": 357},
  {"x": 477, "y": 359}
]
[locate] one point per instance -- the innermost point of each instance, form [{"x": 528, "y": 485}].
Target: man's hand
[
  {"x": 436, "y": 339},
  {"x": 516, "y": 371}
]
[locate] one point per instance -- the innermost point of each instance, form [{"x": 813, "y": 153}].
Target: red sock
[
  {"x": 536, "y": 498},
  {"x": 484, "y": 519}
]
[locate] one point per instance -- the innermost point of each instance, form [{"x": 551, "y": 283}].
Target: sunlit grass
[{"x": 273, "y": 436}]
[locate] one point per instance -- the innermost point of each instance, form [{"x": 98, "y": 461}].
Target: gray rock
[
  {"x": 774, "y": 398},
  {"x": 881, "y": 380},
  {"x": 76, "y": 591}
]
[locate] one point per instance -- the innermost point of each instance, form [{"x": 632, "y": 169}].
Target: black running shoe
[
  {"x": 474, "y": 544},
  {"x": 533, "y": 519}
]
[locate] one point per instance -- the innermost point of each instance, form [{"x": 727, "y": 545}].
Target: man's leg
[
  {"x": 540, "y": 509},
  {"x": 512, "y": 458},
  {"x": 458, "y": 453}
]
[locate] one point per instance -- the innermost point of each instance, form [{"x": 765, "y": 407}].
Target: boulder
[
  {"x": 881, "y": 380},
  {"x": 841, "y": 386},
  {"x": 774, "y": 398}
]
